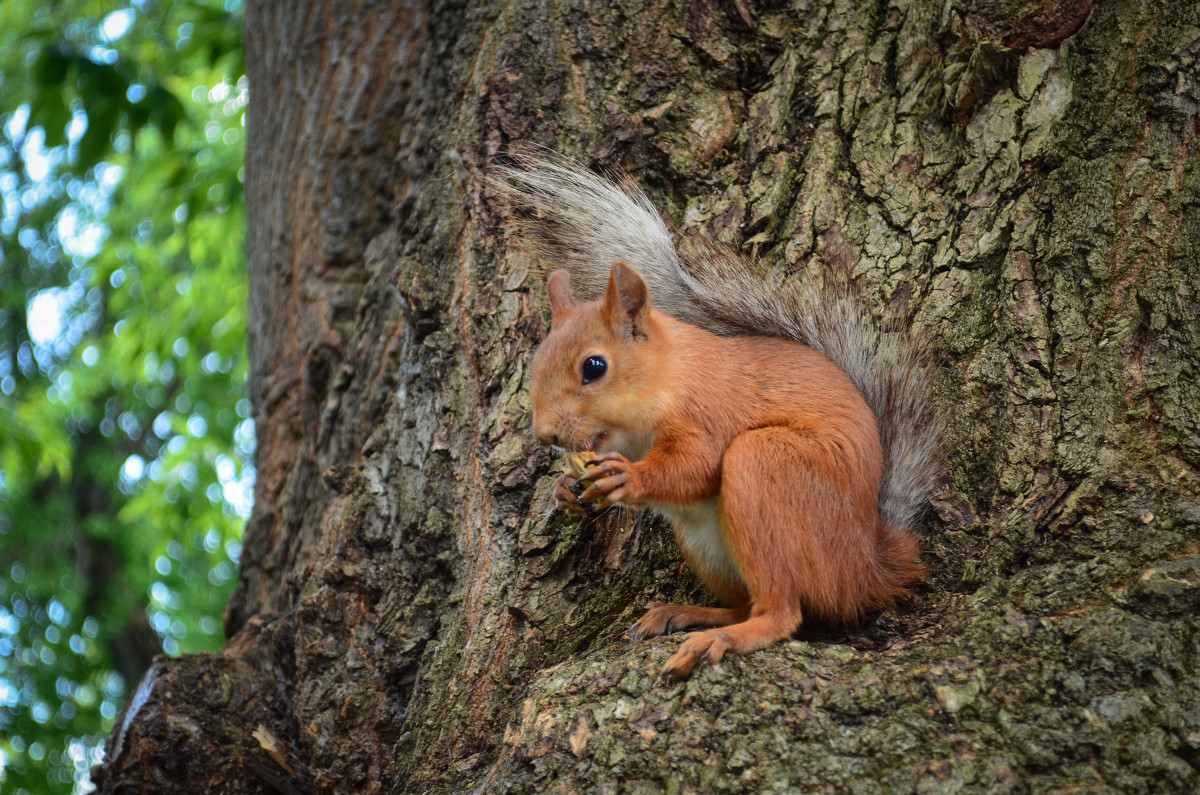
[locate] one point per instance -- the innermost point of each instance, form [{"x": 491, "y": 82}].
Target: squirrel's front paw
[
  {"x": 566, "y": 496},
  {"x": 613, "y": 478}
]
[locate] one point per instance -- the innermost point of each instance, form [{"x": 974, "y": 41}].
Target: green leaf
[
  {"x": 138, "y": 114},
  {"x": 97, "y": 140},
  {"x": 101, "y": 80},
  {"x": 50, "y": 68},
  {"x": 50, "y": 112},
  {"x": 166, "y": 111}
]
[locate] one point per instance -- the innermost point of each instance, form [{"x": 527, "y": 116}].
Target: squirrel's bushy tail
[{"x": 572, "y": 218}]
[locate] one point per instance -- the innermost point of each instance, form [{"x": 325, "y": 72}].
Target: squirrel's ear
[
  {"x": 627, "y": 302},
  {"x": 558, "y": 287}
]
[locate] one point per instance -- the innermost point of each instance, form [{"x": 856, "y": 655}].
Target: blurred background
[{"x": 125, "y": 434}]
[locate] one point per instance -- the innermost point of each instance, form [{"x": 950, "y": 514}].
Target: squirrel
[{"x": 789, "y": 439}]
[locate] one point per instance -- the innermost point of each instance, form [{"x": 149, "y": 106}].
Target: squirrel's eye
[{"x": 594, "y": 368}]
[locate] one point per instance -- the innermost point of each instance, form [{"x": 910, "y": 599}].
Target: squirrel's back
[{"x": 584, "y": 223}]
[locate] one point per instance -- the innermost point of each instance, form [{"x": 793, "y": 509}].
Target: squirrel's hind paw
[
  {"x": 701, "y": 648},
  {"x": 664, "y": 619},
  {"x": 656, "y": 622}
]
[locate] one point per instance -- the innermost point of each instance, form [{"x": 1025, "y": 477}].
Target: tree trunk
[{"x": 1019, "y": 183}]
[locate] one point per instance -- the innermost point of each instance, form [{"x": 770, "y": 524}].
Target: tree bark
[{"x": 1019, "y": 183}]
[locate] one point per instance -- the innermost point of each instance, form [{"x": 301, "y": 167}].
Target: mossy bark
[{"x": 1019, "y": 183}]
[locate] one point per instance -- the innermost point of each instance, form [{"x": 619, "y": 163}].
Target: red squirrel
[{"x": 789, "y": 441}]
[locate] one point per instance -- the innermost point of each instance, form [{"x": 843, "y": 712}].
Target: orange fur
[{"x": 759, "y": 448}]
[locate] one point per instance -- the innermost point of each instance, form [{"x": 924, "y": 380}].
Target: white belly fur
[{"x": 698, "y": 532}]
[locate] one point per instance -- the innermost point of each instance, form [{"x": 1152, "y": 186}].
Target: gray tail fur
[{"x": 571, "y": 218}]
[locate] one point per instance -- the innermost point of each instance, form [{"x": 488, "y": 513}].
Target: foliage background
[{"x": 125, "y": 438}]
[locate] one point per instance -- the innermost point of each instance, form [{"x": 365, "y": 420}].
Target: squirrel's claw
[
  {"x": 654, "y": 623},
  {"x": 610, "y": 475},
  {"x": 609, "y": 489},
  {"x": 701, "y": 648},
  {"x": 662, "y": 618},
  {"x": 567, "y": 496}
]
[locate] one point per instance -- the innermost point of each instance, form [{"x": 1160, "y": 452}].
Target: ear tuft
[
  {"x": 558, "y": 288},
  {"x": 627, "y": 301}
]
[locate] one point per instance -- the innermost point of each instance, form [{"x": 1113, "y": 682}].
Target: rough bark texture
[{"x": 1019, "y": 182}]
